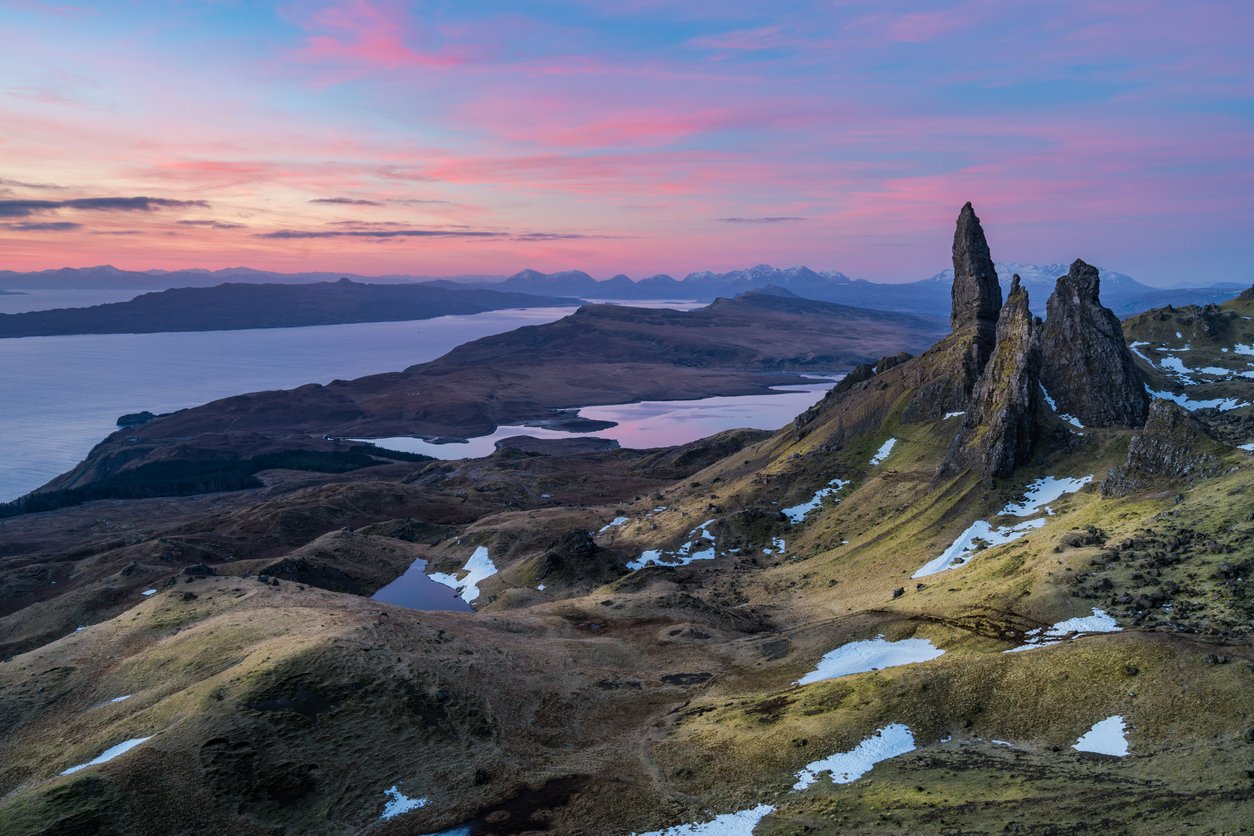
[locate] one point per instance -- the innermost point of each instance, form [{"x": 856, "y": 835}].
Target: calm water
[
  {"x": 59, "y": 396},
  {"x": 647, "y": 424},
  {"x": 418, "y": 592}
]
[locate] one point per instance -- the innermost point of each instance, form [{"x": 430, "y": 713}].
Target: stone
[
  {"x": 1002, "y": 424},
  {"x": 976, "y": 295},
  {"x": 1172, "y": 447},
  {"x": 1086, "y": 366},
  {"x": 976, "y": 292}
]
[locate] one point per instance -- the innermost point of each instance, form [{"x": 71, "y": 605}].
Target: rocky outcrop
[
  {"x": 1003, "y": 422},
  {"x": 1174, "y": 447},
  {"x": 1086, "y": 366},
  {"x": 865, "y": 371},
  {"x": 976, "y": 295},
  {"x": 976, "y": 292}
]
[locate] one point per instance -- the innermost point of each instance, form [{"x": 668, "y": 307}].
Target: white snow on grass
[
  {"x": 400, "y": 803},
  {"x": 970, "y": 541},
  {"x": 614, "y": 523},
  {"x": 1105, "y": 738},
  {"x": 871, "y": 655},
  {"x": 148, "y": 592},
  {"x": 540, "y": 587},
  {"x": 1247, "y": 447},
  {"x": 882, "y": 453},
  {"x": 478, "y": 568},
  {"x": 797, "y": 513},
  {"x": 1042, "y": 491},
  {"x": 1136, "y": 349},
  {"x": 777, "y": 546},
  {"x": 847, "y": 767},
  {"x": 983, "y": 534},
  {"x": 108, "y": 754},
  {"x": 740, "y": 823},
  {"x": 1098, "y": 622},
  {"x": 949, "y": 415},
  {"x": 685, "y": 554},
  {"x": 1222, "y": 404},
  {"x": 1247, "y": 350},
  {"x": 121, "y": 698}
]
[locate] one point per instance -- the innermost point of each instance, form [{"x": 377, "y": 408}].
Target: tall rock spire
[
  {"x": 1003, "y": 421},
  {"x": 976, "y": 292},
  {"x": 1087, "y": 368}
]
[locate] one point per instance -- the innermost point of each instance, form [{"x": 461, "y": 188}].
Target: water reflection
[
  {"x": 418, "y": 592},
  {"x": 647, "y": 424}
]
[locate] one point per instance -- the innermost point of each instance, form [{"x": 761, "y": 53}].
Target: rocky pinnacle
[
  {"x": 976, "y": 292},
  {"x": 1087, "y": 368},
  {"x": 1003, "y": 421}
]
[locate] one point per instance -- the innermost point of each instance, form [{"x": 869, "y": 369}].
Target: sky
[{"x": 635, "y": 136}]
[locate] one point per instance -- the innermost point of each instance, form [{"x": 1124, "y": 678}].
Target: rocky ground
[{"x": 670, "y": 670}]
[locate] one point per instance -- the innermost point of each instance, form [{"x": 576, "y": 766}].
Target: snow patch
[
  {"x": 109, "y": 754},
  {"x": 478, "y": 568},
  {"x": 777, "y": 545},
  {"x": 1247, "y": 350},
  {"x": 685, "y": 554},
  {"x": 1106, "y": 737},
  {"x": 969, "y": 542},
  {"x": 871, "y": 655},
  {"x": 1098, "y": 622},
  {"x": 798, "y": 513},
  {"x": 148, "y": 592},
  {"x": 846, "y": 767},
  {"x": 1247, "y": 447},
  {"x": 949, "y": 415},
  {"x": 1070, "y": 419},
  {"x": 400, "y": 803},
  {"x": 984, "y": 534},
  {"x": 882, "y": 453},
  {"x": 121, "y": 698},
  {"x": 740, "y": 823},
  {"x": 614, "y": 523},
  {"x": 1222, "y": 404},
  {"x": 1046, "y": 489}
]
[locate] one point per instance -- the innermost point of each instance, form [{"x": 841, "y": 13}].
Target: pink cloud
[{"x": 372, "y": 36}]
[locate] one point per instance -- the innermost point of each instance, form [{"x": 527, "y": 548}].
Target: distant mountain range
[{"x": 1122, "y": 293}]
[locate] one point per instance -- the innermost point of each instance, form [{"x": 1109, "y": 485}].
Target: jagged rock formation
[
  {"x": 1086, "y": 366},
  {"x": 1173, "y": 446},
  {"x": 976, "y": 291},
  {"x": 976, "y": 294},
  {"x": 1003, "y": 423}
]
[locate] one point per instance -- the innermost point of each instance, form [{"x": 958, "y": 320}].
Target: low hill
[{"x": 230, "y": 307}]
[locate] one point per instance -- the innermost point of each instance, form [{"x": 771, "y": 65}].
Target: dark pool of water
[{"x": 418, "y": 592}]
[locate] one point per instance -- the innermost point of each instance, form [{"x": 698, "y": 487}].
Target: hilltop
[{"x": 230, "y": 307}]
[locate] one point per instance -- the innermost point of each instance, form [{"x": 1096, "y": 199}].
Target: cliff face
[
  {"x": 1003, "y": 422},
  {"x": 1173, "y": 447},
  {"x": 1086, "y": 366}
]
